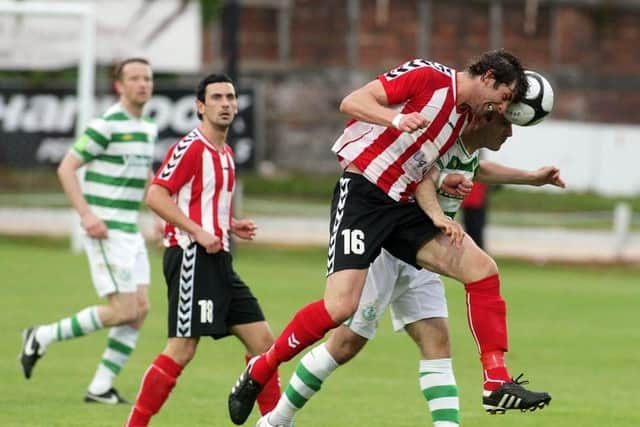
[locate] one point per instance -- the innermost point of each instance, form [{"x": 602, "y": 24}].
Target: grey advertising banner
[{"x": 37, "y": 126}]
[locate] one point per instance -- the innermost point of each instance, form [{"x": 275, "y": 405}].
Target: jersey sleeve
[
  {"x": 94, "y": 141},
  {"x": 406, "y": 81},
  {"x": 179, "y": 166}
]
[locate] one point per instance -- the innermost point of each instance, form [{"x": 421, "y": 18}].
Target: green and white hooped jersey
[
  {"x": 118, "y": 151},
  {"x": 456, "y": 160}
]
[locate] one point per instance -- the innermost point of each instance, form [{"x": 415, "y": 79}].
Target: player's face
[
  {"x": 220, "y": 104},
  {"x": 136, "y": 84},
  {"x": 492, "y": 98},
  {"x": 495, "y": 131}
]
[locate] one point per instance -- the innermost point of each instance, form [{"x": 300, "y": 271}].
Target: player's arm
[
  {"x": 67, "y": 175},
  {"x": 426, "y": 198},
  {"x": 495, "y": 173},
  {"x": 370, "y": 104},
  {"x": 160, "y": 201},
  {"x": 243, "y": 228}
]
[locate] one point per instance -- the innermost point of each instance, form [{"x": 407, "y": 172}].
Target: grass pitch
[{"x": 574, "y": 332}]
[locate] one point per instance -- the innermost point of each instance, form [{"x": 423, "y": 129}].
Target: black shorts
[
  {"x": 365, "y": 219},
  {"x": 206, "y": 296}
]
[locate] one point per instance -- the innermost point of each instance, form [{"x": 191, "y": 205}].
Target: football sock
[
  {"x": 487, "y": 316},
  {"x": 78, "y": 325},
  {"x": 308, "y": 325},
  {"x": 313, "y": 369},
  {"x": 495, "y": 372},
  {"x": 439, "y": 388},
  {"x": 270, "y": 394},
  {"x": 121, "y": 342},
  {"x": 156, "y": 386}
]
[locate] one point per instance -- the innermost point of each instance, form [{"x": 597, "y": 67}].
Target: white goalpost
[{"x": 86, "y": 61}]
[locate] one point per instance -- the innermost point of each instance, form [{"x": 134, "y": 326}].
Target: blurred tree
[{"x": 210, "y": 10}]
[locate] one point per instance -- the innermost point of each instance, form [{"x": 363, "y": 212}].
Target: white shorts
[
  {"x": 412, "y": 294},
  {"x": 119, "y": 263}
]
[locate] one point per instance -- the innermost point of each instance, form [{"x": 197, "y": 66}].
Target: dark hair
[
  {"x": 201, "y": 90},
  {"x": 117, "y": 73},
  {"x": 506, "y": 68}
]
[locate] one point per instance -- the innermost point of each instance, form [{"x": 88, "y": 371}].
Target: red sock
[
  {"x": 157, "y": 383},
  {"x": 494, "y": 370},
  {"x": 308, "y": 325},
  {"x": 270, "y": 394},
  {"x": 487, "y": 315}
]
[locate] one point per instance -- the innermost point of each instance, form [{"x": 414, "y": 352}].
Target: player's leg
[
  {"x": 419, "y": 306},
  {"x": 160, "y": 379},
  {"x": 122, "y": 338},
  {"x": 486, "y": 311},
  {"x": 247, "y": 322},
  {"x": 311, "y": 372},
  {"x": 111, "y": 265},
  {"x": 357, "y": 232},
  {"x": 344, "y": 342},
  {"x": 198, "y": 288},
  {"x": 121, "y": 342},
  {"x": 435, "y": 370}
]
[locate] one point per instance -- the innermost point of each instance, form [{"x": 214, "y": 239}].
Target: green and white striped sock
[
  {"x": 122, "y": 340},
  {"x": 78, "y": 325},
  {"x": 306, "y": 381},
  {"x": 438, "y": 386}
]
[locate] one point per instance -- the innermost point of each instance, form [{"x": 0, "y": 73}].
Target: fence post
[{"x": 621, "y": 225}]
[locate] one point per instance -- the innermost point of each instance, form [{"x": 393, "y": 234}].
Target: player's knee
[
  {"x": 125, "y": 313},
  {"x": 441, "y": 345},
  {"x": 143, "y": 309},
  {"x": 480, "y": 266},
  {"x": 341, "y": 309},
  {"x": 344, "y": 347},
  {"x": 181, "y": 351},
  {"x": 488, "y": 265}
]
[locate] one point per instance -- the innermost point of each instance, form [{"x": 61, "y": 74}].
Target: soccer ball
[{"x": 536, "y": 104}]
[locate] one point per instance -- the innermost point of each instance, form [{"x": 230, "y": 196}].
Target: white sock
[
  {"x": 438, "y": 385},
  {"x": 122, "y": 340},
  {"x": 307, "y": 379},
  {"x": 78, "y": 325}
]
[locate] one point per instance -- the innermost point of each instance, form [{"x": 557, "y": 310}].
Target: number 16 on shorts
[{"x": 353, "y": 241}]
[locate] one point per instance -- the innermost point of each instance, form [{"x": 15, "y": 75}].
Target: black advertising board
[{"x": 37, "y": 127}]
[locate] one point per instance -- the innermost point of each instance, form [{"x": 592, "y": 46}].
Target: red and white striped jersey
[
  {"x": 397, "y": 161},
  {"x": 201, "y": 180}
]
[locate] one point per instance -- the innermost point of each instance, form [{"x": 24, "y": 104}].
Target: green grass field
[{"x": 574, "y": 332}]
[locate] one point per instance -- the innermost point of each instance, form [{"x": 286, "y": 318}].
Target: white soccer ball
[{"x": 536, "y": 104}]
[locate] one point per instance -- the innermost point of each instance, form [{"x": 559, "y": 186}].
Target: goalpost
[{"x": 86, "y": 62}]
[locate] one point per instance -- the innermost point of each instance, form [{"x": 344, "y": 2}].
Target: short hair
[
  {"x": 201, "y": 89},
  {"x": 117, "y": 74},
  {"x": 506, "y": 68}
]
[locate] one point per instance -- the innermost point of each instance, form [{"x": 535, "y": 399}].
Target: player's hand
[
  {"x": 208, "y": 241},
  {"x": 244, "y": 228},
  {"x": 412, "y": 122},
  {"x": 450, "y": 228},
  {"x": 94, "y": 226},
  {"x": 456, "y": 185},
  {"x": 548, "y": 175}
]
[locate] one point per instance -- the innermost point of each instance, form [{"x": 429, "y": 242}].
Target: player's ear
[
  {"x": 118, "y": 87},
  {"x": 199, "y": 108}
]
